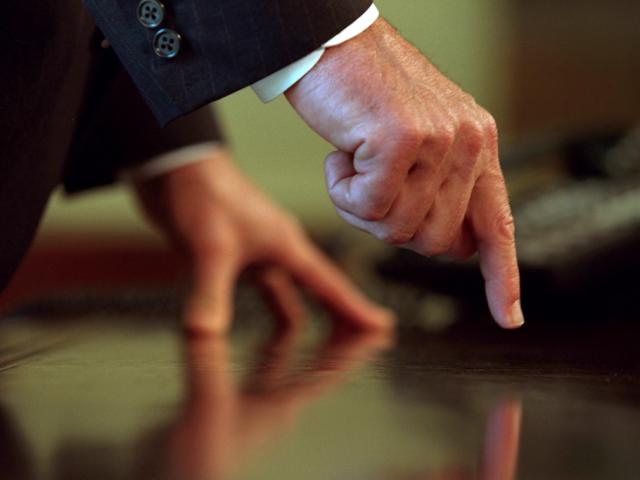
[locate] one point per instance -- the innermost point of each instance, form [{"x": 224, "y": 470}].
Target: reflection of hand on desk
[
  {"x": 499, "y": 451},
  {"x": 223, "y": 423}
]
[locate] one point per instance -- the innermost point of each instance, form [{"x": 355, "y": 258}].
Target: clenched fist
[{"x": 416, "y": 161}]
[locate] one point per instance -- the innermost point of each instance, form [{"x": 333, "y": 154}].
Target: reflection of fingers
[
  {"x": 502, "y": 442},
  {"x": 208, "y": 371},
  {"x": 342, "y": 353},
  {"x": 282, "y": 296},
  {"x": 356, "y": 346},
  {"x": 274, "y": 362},
  {"x": 493, "y": 228},
  {"x": 209, "y": 309},
  {"x": 333, "y": 289},
  {"x": 202, "y": 444}
]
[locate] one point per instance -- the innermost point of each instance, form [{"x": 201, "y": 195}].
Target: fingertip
[
  {"x": 376, "y": 319},
  {"x": 387, "y": 319},
  {"x": 512, "y": 318},
  {"x": 370, "y": 338},
  {"x": 204, "y": 330},
  {"x": 502, "y": 285},
  {"x": 516, "y": 316},
  {"x": 200, "y": 320},
  {"x": 201, "y": 331}
]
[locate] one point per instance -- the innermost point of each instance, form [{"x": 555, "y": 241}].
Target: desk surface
[{"x": 117, "y": 393}]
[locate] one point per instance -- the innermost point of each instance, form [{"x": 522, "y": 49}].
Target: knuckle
[
  {"x": 465, "y": 165},
  {"x": 372, "y": 214},
  {"x": 505, "y": 225},
  {"x": 465, "y": 168},
  {"x": 439, "y": 247},
  {"x": 376, "y": 205},
  {"x": 214, "y": 248},
  {"x": 473, "y": 136},
  {"x": 490, "y": 127},
  {"x": 409, "y": 134},
  {"x": 461, "y": 255},
  {"x": 394, "y": 236},
  {"x": 406, "y": 139},
  {"x": 469, "y": 99},
  {"x": 292, "y": 229},
  {"x": 435, "y": 245},
  {"x": 442, "y": 139},
  {"x": 432, "y": 250}
]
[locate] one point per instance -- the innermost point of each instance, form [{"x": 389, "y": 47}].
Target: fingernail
[{"x": 516, "y": 317}]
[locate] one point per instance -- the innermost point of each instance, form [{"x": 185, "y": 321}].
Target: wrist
[
  {"x": 279, "y": 82},
  {"x": 345, "y": 55}
]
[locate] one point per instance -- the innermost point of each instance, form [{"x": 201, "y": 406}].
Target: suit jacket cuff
[
  {"x": 277, "y": 83},
  {"x": 225, "y": 46}
]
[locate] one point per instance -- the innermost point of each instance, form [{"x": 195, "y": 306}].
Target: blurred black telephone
[{"x": 576, "y": 203}]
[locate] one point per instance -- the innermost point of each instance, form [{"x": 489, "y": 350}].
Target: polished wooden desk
[{"x": 104, "y": 386}]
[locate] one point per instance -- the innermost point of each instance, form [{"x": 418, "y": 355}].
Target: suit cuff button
[
  {"x": 166, "y": 43},
  {"x": 150, "y": 13}
]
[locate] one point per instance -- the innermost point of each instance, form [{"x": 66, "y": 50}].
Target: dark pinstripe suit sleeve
[
  {"x": 118, "y": 131},
  {"x": 228, "y": 44}
]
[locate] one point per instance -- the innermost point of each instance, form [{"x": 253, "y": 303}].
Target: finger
[
  {"x": 364, "y": 188},
  {"x": 209, "y": 309},
  {"x": 502, "y": 442},
  {"x": 200, "y": 445},
  {"x": 282, "y": 296},
  {"x": 274, "y": 362},
  {"x": 339, "y": 356},
  {"x": 493, "y": 228},
  {"x": 334, "y": 290},
  {"x": 464, "y": 246},
  {"x": 408, "y": 211},
  {"x": 355, "y": 346},
  {"x": 442, "y": 225},
  {"x": 208, "y": 372}
]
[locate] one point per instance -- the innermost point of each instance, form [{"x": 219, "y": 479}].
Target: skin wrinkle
[{"x": 413, "y": 118}]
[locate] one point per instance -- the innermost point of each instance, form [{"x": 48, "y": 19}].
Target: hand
[
  {"x": 223, "y": 224},
  {"x": 224, "y": 422},
  {"x": 500, "y": 449},
  {"x": 417, "y": 159}
]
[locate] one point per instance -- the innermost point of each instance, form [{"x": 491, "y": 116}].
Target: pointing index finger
[{"x": 493, "y": 227}]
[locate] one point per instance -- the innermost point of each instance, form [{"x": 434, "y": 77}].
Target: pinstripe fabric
[
  {"x": 228, "y": 44},
  {"x": 67, "y": 109},
  {"x": 118, "y": 131}
]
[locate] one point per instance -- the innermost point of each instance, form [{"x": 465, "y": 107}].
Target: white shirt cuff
[
  {"x": 277, "y": 83},
  {"x": 170, "y": 161}
]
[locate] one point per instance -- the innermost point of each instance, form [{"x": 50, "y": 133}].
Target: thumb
[
  {"x": 339, "y": 173},
  {"x": 209, "y": 309}
]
